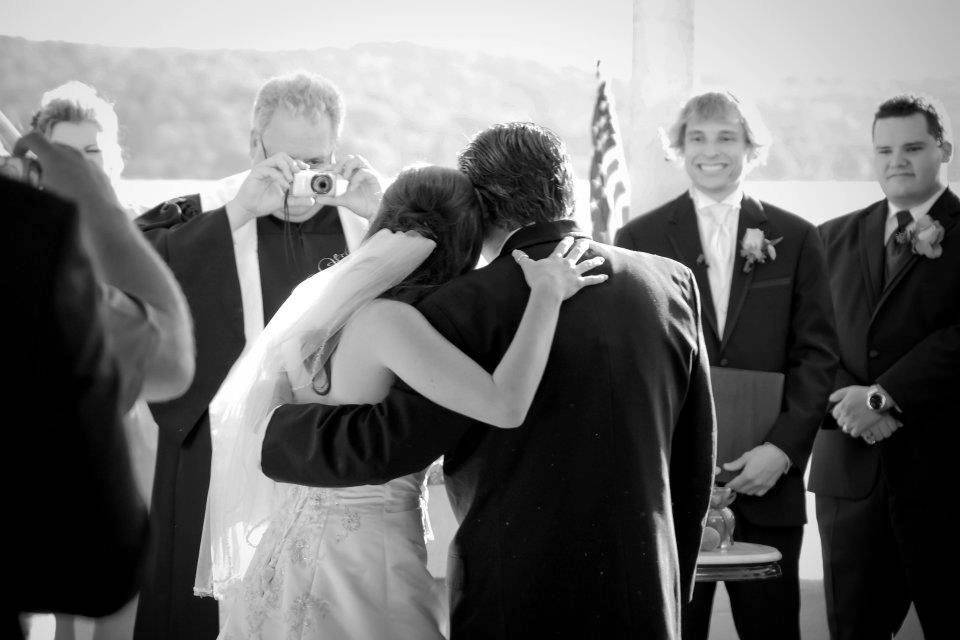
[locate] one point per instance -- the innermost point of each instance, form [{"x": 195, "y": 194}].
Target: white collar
[
  {"x": 919, "y": 210},
  {"x": 701, "y": 200},
  {"x": 245, "y": 249}
]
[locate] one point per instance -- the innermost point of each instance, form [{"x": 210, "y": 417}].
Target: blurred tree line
[{"x": 186, "y": 113}]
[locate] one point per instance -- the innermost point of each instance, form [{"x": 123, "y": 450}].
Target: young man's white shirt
[{"x": 717, "y": 223}]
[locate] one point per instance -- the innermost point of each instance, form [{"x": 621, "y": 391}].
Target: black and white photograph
[{"x": 448, "y": 320}]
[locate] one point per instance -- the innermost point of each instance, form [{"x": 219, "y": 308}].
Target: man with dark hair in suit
[
  {"x": 586, "y": 520},
  {"x": 237, "y": 264},
  {"x": 882, "y": 460},
  {"x": 763, "y": 278}
]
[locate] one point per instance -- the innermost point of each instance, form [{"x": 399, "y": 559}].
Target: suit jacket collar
[
  {"x": 872, "y": 223},
  {"x": 946, "y": 211},
  {"x": 540, "y": 233},
  {"x": 684, "y": 235},
  {"x": 752, "y": 216}
]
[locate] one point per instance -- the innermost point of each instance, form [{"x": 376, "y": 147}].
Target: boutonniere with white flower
[
  {"x": 924, "y": 237},
  {"x": 755, "y": 247}
]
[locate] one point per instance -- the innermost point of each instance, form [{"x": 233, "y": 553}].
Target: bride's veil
[{"x": 241, "y": 499}]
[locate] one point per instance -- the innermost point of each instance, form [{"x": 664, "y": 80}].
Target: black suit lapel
[
  {"x": 751, "y": 217},
  {"x": 871, "y": 249},
  {"x": 684, "y": 236},
  {"x": 945, "y": 211}
]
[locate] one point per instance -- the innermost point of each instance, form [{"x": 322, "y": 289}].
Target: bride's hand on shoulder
[{"x": 561, "y": 273}]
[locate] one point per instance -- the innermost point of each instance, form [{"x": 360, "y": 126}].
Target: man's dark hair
[
  {"x": 522, "y": 174},
  {"x": 906, "y": 105}
]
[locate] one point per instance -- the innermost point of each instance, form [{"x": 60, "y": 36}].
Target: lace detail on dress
[
  {"x": 304, "y": 614},
  {"x": 350, "y": 523},
  {"x": 294, "y": 540},
  {"x": 323, "y": 564}
]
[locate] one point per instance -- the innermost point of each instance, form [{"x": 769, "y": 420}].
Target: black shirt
[{"x": 291, "y": 252}]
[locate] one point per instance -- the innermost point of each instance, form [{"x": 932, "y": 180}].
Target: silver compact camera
[{"x": 309, "y": 183}]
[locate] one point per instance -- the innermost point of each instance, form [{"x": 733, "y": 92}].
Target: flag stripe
[{"x": 609, "y": 178}]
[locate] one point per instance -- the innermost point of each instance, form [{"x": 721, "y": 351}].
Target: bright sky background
[{"x": 754, "y": 40}]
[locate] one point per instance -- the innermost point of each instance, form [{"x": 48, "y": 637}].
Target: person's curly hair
[
  {"x": 522, "y": 174},
  {"x": 439, "y": 203}
]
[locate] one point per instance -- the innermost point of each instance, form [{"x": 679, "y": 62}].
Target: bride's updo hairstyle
[{"x": 438, "y": 203}]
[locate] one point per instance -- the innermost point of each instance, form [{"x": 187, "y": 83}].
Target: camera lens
[{"x": 321, "y": 184}]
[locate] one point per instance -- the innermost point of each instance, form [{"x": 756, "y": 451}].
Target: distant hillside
[{"x": 185, "y": 113}]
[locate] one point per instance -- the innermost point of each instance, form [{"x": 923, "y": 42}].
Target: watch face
[{"x": 876, "y": 401}]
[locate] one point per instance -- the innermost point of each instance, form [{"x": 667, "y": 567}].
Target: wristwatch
[{"x": 877, "y": 400}]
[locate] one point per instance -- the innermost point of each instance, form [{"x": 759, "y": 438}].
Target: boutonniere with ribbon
[
  {"x": 924, "y": 237},
  {"x": 755, "y": 247}
]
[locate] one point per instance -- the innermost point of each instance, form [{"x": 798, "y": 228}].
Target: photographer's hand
[
  {"x": 264, "y": 189},
  {"x": 364, "y": 190},
  {"x": 68, "y": 174}
]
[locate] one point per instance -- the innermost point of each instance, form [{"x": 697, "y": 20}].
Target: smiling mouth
[
  {"x": 711, "y": 167},
  {"x": 900, "y": 175}
]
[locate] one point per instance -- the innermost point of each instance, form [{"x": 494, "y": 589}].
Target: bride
[{"x": 296, "y": 562}]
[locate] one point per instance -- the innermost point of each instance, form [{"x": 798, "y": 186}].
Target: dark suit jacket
[
  {"x": 584, "y": 522},
  {"x": 905, "y": 337},
  {"x": 779, "y": 319},
  {"x": 71, "y": 485},
  {"x": 199, "y": 250}
]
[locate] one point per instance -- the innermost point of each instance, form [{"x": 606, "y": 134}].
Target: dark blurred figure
[
  {"x": 104, "y": 323},
  {"x": 74, "y": 115}
]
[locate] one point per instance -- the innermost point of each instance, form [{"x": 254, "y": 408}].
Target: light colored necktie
[{"x": 720, "y": 239}]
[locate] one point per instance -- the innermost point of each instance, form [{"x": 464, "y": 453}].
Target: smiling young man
[
  {"x": 882, "y": 461},
  {"x": 237, "y": 264},
  {"x": 764, "y": 311}
]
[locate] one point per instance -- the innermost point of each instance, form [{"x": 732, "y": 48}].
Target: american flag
[{"x": 609, "y": 178}]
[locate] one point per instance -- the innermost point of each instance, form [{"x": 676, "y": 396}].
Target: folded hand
[
  {"x": 882, "y": 430},
  {"x": 851, "y": 411}
]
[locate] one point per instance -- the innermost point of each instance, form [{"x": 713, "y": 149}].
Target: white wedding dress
[
  {"x": 341, "y": 563},
  {"x": 292, "y": 562}
]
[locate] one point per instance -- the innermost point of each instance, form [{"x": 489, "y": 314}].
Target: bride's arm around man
[{"x": 586, "y": 520}]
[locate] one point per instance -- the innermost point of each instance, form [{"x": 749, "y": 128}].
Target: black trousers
[
  {"x": 168, "y": 610},
  {"x": 879, "y": 556},
  {"x": 762, "y": 609}
]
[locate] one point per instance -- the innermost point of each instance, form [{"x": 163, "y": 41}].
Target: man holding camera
[{"x": 237, "y": 265}]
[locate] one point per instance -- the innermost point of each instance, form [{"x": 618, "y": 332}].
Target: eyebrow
[
  {"x": 904, "y": 144},
  {"x": 733, "y": 131}
]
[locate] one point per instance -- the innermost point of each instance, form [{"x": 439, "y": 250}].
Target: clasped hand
[{"x": 858, "y": 420}]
